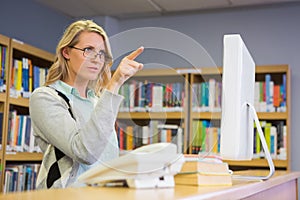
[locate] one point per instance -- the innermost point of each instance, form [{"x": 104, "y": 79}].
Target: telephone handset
[{"x": 149, "y": 166}]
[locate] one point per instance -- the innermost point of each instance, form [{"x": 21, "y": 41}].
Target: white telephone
[{"x": 149, "y": 166}]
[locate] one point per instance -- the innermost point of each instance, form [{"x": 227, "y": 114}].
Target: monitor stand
[{"x": 265, "y": 148}]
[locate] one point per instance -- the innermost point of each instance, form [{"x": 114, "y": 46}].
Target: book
[
  {"x": 157, "y": 98},
  {"x": 204, "y": 173},
  {"x": 129, "y": 137},
  {"x": 206, "y": 167},
  {"x": 200, "y": 179}
]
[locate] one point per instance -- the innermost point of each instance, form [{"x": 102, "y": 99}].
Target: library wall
[
  {"x": 32, "y": 23},
  {"x": 271, "y": 34},
  {"x": 271, "y": 31}
]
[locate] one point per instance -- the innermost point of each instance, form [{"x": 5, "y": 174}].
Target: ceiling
[{"x": 139, "y": 8}]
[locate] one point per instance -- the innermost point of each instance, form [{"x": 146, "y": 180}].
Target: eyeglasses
[{"x": 90, "y": 53}]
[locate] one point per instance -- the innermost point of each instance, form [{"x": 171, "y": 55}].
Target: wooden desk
[{"x": 283, "y": 185}]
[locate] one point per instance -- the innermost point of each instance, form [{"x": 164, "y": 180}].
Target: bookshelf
[
  {"x": 4, "y": 45},
  {"x": 180, "y": 114},
  {"x": 14, "y": 156},
  {"x": 164, "y": 113},
  {"x": 211, "y": 115}
]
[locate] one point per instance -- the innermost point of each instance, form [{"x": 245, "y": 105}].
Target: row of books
[
  {"x": 206, "y": 138},
  {"x": 268, "y": 96},
  {"x": 275, "y": 134},
  {"x": 154, "y": 97},
  {"x": 157, "y": 97},
  {"x": 206, "y": 96},
  {"x": 20, "y": 134},
  {"x": 134, "y": 136},
  {"x": 25, "y": 77},
  {"x": 20, "y": 177},
  {"x": 3, "y": 66}
]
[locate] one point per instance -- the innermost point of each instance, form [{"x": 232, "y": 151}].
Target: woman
[{"x": 75, "y": 137}]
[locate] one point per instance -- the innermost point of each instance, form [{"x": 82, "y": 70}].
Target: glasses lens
[{"x": 88, "y": 53}]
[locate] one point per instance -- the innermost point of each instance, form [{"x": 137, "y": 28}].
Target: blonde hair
[{"x": 59, "y": 69}]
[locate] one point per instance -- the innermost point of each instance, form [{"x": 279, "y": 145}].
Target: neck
[
  {"x": 81, "y": 89},
  {"x": 81, "y": 86}
]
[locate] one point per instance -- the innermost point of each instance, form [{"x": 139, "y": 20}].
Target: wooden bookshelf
[
  {"x": 261, "y": 115},
  {"x": 17, "y": 50},
  {"x": 23, "y": 156},
  {"x": 31, "y": 51},
  {"x": 282, "y": 164},
  {"x": 5, "y": 42},
  {"x": 151, "y": 115},
  {"x": 276, "y": 72},
  {"x": 184, "y": 118},
  {"x": 188, "y": 115},
  {"x": 162, "y": 77},
  {"x": 24, "y": 102},
  {"x": 2, "y": 97}
]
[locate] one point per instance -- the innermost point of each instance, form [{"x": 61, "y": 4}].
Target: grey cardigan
[{"x": 86, "y": 140}]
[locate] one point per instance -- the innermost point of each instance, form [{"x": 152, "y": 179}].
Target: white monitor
[
  {"x": 238, "y": 82},
  {"x": 238, "y": 113}
]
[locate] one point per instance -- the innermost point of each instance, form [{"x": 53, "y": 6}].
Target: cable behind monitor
[{"x": 265, "y": 148}]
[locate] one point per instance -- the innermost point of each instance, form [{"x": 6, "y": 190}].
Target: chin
[{"x": 93, "y": 78}]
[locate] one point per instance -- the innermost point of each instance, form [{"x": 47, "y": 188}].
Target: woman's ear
[{"x": 65, "y": 53}]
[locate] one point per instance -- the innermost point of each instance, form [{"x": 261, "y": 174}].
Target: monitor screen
[{"x": 238, "y": 82}]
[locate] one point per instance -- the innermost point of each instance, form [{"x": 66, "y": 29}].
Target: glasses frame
[{"x": 100, "y": 54}]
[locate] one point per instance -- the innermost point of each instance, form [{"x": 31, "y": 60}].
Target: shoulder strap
[
  {"x": 66, "y": 100},
  {"x": 54, "y": 172}
]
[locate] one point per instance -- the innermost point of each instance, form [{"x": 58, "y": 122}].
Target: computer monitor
[
  {"x": 238, "y": 82},
  {"x": 238, "y": 113}
]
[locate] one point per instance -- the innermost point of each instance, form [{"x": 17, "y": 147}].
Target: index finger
[{"x": 135, "y": 54}]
